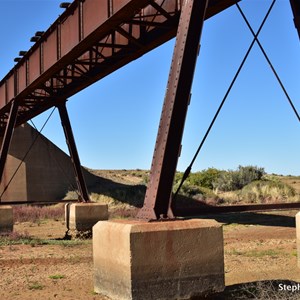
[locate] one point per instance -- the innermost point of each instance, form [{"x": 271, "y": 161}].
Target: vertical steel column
[
  {"x": 65, "y": 121},
  {"x": 295, "y": 4},
  {"x": 11, "y": 122},
  {"x": 157, "y": 202}
]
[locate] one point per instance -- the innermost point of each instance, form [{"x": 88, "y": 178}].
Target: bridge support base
[
  {"x": 6, "y": 219},
  {"x": 158, "y": 260},
  {"x": 298, "y": 237},
  {"x": 81, "y": 217}
]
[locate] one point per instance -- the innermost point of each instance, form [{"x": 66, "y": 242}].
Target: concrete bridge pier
[
  {"x": 298, "y": 237},
  {"x": 161, "y": 259},
  {"x": 136, "y": 260},
  {"x": 81, "y": 217},
  {"x": 155, "y": 257},
  {"x": 6, "y": 219}
]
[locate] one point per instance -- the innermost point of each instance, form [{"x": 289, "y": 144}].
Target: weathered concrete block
[
  {"x": 298, "y": 237},
  {"x": 6, "y": 218},
  {"x": 81, "y": 217},
  {"x": 160, "y": 260},
  {"x": 39, "y": 177}
]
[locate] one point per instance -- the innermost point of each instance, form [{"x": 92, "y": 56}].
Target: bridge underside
[{"x": 89, "y": 41}]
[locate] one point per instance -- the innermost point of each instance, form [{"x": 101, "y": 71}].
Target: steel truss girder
[
  {"x": 101, "y": 53},
  {"x": 157, "y": 202},
  {"x": 94, "y": 63}
]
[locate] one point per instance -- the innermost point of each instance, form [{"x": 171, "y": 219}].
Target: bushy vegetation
[
  {"x": 245, "y": 184},
  {"x": 124, "y": 190},
  {"x": 236, "y": 180},
  {"x": 221, "y": 180},
  {"x": 198, "y": 185},
  {"x": 204, "y": 179},
  {"x": 267, "y": 191}
]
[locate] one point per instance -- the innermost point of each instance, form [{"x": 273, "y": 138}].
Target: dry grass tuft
[{"x": 25, "y": 213}]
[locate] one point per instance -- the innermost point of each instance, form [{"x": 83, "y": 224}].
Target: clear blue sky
[{"x": 115, "y": 121}]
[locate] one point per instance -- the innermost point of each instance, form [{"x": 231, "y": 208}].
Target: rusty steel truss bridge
[{"x": 94, "y": 38}]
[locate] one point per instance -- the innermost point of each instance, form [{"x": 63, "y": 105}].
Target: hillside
[
  {"x": 124, "y": 190},
  {"x": 293, "y": 181}
]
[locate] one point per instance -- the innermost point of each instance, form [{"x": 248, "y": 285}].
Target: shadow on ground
[
  {"x": 184, "y": 206},
  {"x": 252, "y": 218},
  {"x": 126, "y": 193},
  {"x": 262, "y": 290}
]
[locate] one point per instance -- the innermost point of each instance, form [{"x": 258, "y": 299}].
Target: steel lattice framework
[{"x": 90, "y": 40}]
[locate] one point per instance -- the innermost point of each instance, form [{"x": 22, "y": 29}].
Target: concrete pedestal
[
  {"x": 160, "y": 260},
  {"x": 81, "y": 217},
  {"x": 298, "y": 237},
  {"x": 6, "y": 219}
]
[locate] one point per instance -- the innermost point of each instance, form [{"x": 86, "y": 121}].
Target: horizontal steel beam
[
  {"x": 210, "y": 209},
  {"x": 38, "y": 203}
]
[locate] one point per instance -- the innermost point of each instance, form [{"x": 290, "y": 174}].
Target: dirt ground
[{"x": 258, "y": 246}]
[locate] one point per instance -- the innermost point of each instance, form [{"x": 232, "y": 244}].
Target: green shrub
[
  {"x": 205, "y": 178},
  {"x": 196, "y": 192},
  {"x": 235, "y": 180}
]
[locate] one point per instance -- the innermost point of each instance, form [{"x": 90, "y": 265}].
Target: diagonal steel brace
[
  {"x": 66, "y": 124},
  {"x": 157, "y": 203},
  {"x": 11, "y": 122}
]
